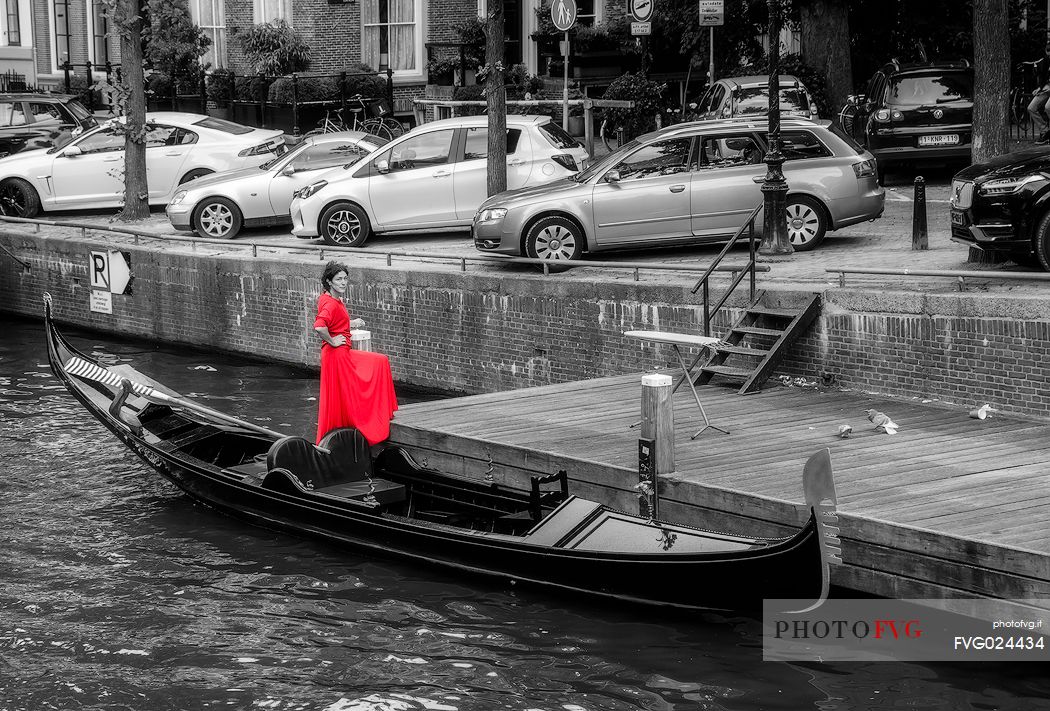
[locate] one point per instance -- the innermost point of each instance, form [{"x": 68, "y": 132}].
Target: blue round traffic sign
[
  {"x": 563, "y": 13},
  {"x": 642, "y": 10}
]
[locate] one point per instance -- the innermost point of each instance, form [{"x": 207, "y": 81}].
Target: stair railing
[{"x": 750, "y": 270}]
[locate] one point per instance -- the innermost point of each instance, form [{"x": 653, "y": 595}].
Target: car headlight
[
  {"x": 177, "y": 197},
  {"x": 491, "y": 215},
  {"x": 310, "y": 189},
  {"x": 1005, "y": 186}
]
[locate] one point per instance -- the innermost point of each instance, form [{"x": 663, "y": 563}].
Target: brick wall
[{"x": 482, "y": 332}]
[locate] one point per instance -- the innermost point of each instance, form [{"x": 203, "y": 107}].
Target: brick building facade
[{"x": 38, "y": 36}]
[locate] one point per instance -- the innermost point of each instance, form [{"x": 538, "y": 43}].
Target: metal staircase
[{"x": 758, "y": 341}]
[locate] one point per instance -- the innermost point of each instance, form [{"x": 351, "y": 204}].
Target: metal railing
[
  {"x": 750, "y": 268},
  {"x": 737, "y": 270},
  {"x": 959, "y": 274}
]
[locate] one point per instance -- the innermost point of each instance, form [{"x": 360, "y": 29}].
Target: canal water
[{"x": 116, "y": 592}]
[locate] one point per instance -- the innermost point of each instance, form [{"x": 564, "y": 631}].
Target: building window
[
  {"x": 390, "y": 35},
  {"x": 62, "y": 37},
  {"x": 210, "y": 16},
  {"x": 270, "y": 10},
  {"x": 13, "y": 31},
  {"x": 587, "y": 12},
  {"x": 99, "y": 31}
]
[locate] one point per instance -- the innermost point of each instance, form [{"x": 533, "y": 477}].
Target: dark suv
[
  {"x": 914, "y": 113},
  {"x": 1003, "y": 206},
  {"x": 30, "y": 121}
]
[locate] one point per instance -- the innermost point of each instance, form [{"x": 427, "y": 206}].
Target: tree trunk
[
  {"x": 991, "y": 86},
  {"x": 496, "y": 98},
  {"x": 136, "y": 190},
  {"x": 825, "y": 47}
]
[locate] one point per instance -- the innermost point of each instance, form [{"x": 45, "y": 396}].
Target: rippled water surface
[{"x": 118, "y": 593}]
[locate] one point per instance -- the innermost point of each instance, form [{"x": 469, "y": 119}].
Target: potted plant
[{"x": 220, "y": 90}]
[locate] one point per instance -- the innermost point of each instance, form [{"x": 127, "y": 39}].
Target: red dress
[{"x": 357, "y": 389}]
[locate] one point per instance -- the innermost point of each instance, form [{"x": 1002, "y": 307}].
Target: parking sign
[{"x": 712, "y": 13}]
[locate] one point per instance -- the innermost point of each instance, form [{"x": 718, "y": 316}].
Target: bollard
[
  {"x": 360, "y": 339},
  {"x": 656, "y": 446},
  {"x": 919, "y": 239}
]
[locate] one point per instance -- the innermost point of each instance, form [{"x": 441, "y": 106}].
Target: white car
[
  {"x": 88, "y": 171},
  {"x": 219, "y": 205},
  {"x": 435, "y": 176}
]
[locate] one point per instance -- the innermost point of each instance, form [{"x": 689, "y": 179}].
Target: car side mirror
[
  {"x": 382, "y": 165},
  {"x": 288, "y": 170},
  {"x": 72, "y": 152},
  {"x": 612, "y": 176}
]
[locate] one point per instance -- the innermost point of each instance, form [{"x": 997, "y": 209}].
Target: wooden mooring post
[{"x": 656, "y": 445}]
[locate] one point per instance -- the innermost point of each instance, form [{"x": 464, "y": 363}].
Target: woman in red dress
[{"x": 357, "y": 389}]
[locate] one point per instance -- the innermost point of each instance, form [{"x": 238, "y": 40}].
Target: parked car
[
  {"x": 749, "y": 96},
  {"x": 219, "y": 205},
  {"x": 688, "y": 183},
  {"x": 87, "y": 171},
  {"x": 917, "y": 113},
  {"x": 434, "y": 176},
  {"x": 1003, "y": 206},
  {"x": 29, "y": 121}
]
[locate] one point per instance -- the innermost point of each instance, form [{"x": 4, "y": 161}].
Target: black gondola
[{"x": 385, "y": 503}]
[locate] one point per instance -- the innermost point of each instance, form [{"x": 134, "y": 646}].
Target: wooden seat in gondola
[{"x": 340, "y": 465}]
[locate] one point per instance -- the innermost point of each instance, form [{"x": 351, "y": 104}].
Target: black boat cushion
[{"x": 342, "y": 456}]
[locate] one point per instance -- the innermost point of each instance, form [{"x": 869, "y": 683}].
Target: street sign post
[
  {"x": 642, "y": 12},
  {"x": 712, "y": 15},
  {"x": 563, "y": 15}
]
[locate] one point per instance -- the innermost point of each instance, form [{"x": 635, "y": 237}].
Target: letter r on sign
[{"x": 100, "y": 270}]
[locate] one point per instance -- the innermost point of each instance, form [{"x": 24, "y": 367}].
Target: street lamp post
[{"x": 774, "y": 187}]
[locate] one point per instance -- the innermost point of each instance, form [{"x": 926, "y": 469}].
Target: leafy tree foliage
[
  {"x": 171, "y": 42},
  {"x": 275, "y": 48}
]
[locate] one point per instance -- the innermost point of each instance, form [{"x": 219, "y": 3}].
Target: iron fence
[{"x": 293, "y": 103}]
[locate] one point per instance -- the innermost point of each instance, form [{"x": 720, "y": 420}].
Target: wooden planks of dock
[{"x": 950, "y": 506}]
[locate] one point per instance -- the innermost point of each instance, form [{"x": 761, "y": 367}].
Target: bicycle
[{"x": 378, "y": 125}]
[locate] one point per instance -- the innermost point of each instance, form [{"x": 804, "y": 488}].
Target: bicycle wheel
[
  {"x": 395, "y": 127},
  {"x": 611, "y": 135},
  {"x": 376, "y": 128}
]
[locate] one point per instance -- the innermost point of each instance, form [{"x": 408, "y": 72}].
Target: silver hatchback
[{"x": 689, "y": 183}]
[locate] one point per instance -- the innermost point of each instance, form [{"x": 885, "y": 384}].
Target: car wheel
[
  {"x": 194, "y": 174},
  {"x": 18, "y": 199},
  {"x": 345, "y": 224},
  {"x": 217, "y": 217},
  {"x": 1042, "y": 242},
  {"x": 557, "y": 239},
  {"x": 806, "y": 223}
]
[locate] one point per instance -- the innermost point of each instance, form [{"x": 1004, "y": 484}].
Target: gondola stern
[{"x": 818, "y": 483}]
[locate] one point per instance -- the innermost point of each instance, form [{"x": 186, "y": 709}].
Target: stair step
[
  {"x": 755, "y": 330},
  {"x": 744, "y": 351},
  {"x": 770, "y": 311},
  {"x": 727, "y": 371}
]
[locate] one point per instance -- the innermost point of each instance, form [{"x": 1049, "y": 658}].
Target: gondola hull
[{"x": 571, "y": 545}]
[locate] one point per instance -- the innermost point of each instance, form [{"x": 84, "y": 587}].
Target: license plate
[
  {"x": 942, "y": 139},
  {"x": 957, "y": 218}
]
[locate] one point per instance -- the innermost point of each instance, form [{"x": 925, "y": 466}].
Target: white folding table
[{"x": 704, "y": 343}]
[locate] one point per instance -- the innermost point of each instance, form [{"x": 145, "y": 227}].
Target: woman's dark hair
[{"x": 330, "y": 270}]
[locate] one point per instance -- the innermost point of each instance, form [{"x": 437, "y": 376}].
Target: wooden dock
[{"x": 949, "y": 507}]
